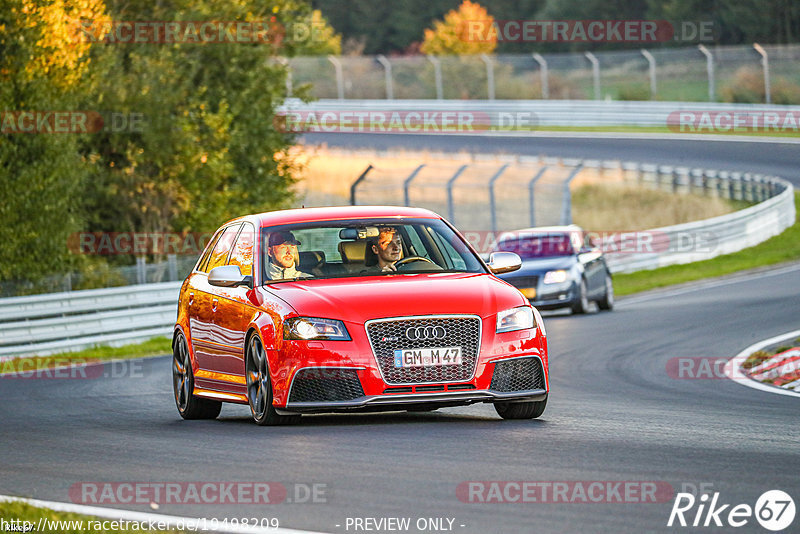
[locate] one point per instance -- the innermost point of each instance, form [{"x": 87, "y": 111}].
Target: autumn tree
[
  {"x": 43, "y": 68},
  {"x": 465, "y": 31}
]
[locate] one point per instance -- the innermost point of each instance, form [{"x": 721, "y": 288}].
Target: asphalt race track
[
  {"x": 774, "y": 158},
  {"x": 615, "y": 414}
]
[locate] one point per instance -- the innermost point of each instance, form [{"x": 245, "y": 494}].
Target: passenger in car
[
  {"x": 383, "y": 251},
  {"x": 282, "y": 252}
]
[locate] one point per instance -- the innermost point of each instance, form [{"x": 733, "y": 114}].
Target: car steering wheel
[{"x": 410, "y": 259}]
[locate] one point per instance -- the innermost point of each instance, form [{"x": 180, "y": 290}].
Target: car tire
[
  {"x": 189, "y": 406},
  {"x": 520, "y": 410},
  {"x": 259, "y": 387},
  {"x": 581, "y": 302},
  {"x": 607, "y": 302}
]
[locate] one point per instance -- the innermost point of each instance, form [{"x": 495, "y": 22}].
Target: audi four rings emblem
[{"x": 416, "y": 333}]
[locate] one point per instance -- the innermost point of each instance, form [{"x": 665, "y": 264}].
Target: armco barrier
[
  {"x": 720, "y": 235},
  {"x": 526, "y": 115},
  {"x": 60, "y": 322}
]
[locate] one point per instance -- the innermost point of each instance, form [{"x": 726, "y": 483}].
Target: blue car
[{"x": 561, "y": 267}]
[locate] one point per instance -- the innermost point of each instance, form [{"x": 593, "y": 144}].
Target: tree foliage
[
  {"x": 454, "y": 35},
  {"x": 206, "y": 151},
  {"x": 394, "y": 27}
]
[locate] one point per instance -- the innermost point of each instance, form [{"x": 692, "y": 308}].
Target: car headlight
[
  {"x": 315, "y": 328},
  {"x": 515, "y": 319},
  {"x": 555, "y": 277}
]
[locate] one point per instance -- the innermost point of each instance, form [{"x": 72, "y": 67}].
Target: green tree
[
  {"x": 209, "y": 150},
  {"x": 42, "y": 69}
]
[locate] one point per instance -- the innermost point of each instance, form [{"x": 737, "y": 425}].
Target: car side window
[
  {"x": 219, "y": 256},
  {"x": 201, "y": 265},
  {"x": 416, "y": 247},
  {"x": 449, "y": 253},
  {"x": 242, "y": 253}
]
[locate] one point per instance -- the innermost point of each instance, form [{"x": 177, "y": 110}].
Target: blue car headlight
[{"x": 555, "y": 277}]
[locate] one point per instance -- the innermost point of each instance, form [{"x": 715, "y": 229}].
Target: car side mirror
[
  {"x": 228, "y": 276},
  {"x": 504, "y": 262}
]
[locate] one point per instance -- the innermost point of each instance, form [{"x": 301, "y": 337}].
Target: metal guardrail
[
  {"x": 708, "y": 238},
  {"x": 60, "y": 322},
  {"x": 519, "y": 115}
]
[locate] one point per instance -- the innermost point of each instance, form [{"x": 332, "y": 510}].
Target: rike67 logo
[{"x": 774, "y": 510}]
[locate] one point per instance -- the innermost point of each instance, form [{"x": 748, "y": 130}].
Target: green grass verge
[
  {"x": 153, "y": 347},
  {"x": 69, "y": 523},
  {"x": 781, "y": 248}
]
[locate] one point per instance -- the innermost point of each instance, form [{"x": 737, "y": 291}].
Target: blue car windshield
[{"x": 538, "y": 246}]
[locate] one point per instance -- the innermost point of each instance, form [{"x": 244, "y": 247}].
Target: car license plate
[
  {"x": 427, "y": 357},
  {"x": 529, "y": 292}
]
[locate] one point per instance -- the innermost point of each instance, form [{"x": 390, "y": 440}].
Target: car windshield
[
  {"x": 363, "y": 247},
  {"x": 538, "y": 245}
]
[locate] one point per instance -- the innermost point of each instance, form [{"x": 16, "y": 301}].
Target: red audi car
[{"x": 353, "y": 309}]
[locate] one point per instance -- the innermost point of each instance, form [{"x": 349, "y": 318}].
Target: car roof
[
  {"x": 303, "y": 215},
  {"x": 546, "y": 229}
]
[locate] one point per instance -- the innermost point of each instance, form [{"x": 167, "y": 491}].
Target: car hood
[{"x": 361, "y": 299}]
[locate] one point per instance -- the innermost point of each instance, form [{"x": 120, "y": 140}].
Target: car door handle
[{"x": 214, "y": 304}]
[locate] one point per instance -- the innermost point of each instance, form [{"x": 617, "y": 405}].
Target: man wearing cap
[{"x": 282, "y": 252}]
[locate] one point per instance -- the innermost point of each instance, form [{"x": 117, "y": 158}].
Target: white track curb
[{"x": 732, "y": 368}]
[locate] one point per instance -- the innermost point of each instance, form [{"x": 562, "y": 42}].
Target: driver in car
[
  {"x": 282, "y": 253},
  {"x": 387, "y": 249}
]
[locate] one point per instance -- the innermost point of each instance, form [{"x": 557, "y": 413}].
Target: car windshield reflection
[{"x": 358, "y": 248}]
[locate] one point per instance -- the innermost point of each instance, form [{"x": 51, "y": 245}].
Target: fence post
[
  {"x": 358, "y": 181},
  {"x": 489, "y": 75},
  {"x": 285, "y": 63},
  {"x": 712, "y": 93},
  {"x": 531, "y": 186},
  {"x": 451, "y": 207},
  {"x": 339, "y": 76},
  {"x": 437, "y": 76},
  {"x": 651, "y": 61},
  {"x": 387, "y": 69},
  {"x": 595, "y": 73},
  {"x": 492, "y": 206},
  {"x": 141, "y": 270},
  {"x": 765, "y": 64},
  {"x": 407, "y": 183},
  {"x": 566, "y": 199},
  {"x": 543, "y": 74},
  {"x": 172, "y": 267}
]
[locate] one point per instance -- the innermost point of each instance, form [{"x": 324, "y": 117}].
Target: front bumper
[
  {"x": 516, "y": 379},
  {"x": 553, "y": 296},
  {"x": 420, "y": 400}
]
